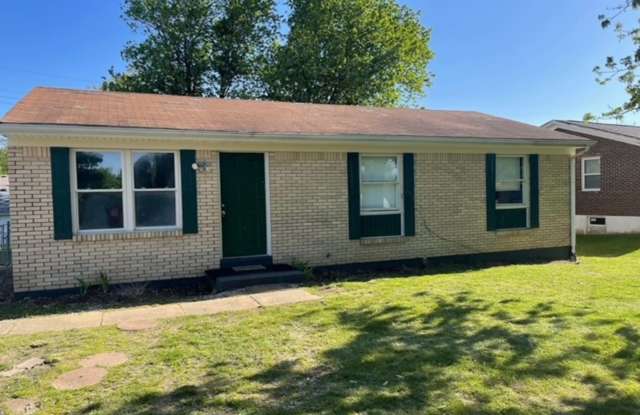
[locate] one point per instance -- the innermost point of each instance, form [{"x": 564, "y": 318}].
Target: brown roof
[
  {"x": 630, "y": 131},
  {"x": 115, "y": 109}
]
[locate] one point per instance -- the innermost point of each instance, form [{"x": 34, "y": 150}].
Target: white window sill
[
  {"x": 512, "y": 231},
  {"x": 379, "y": 240},
  {"x": 126, "y": 235}
]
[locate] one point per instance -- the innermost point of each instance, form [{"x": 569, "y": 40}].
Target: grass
[{"x": 558, "y": 338}]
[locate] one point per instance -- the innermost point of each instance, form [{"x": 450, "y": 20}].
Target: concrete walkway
[{"x": 90, "y": 319}]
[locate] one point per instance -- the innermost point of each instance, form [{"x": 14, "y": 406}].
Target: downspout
[
  {"x": 573, "y": 201},
  {"x": 573, "y": 208}
]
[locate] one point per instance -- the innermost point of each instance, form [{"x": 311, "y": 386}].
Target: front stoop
[{"x": 230, "y": 279}]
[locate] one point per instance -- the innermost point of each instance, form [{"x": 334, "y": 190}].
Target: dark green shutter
[
  {"x": 490, "y": 169},
  {"x": 189, "y": 192},
  {"x": 61, "y": 193},
  {"x": 353, "y": 186},
  {"x": 409, "y": 194},
  {"x": 534, "y": 197}
]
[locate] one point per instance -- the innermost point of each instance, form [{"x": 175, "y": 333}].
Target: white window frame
[
  {"x": 128, "y": 191},
  {"x": 399, "y": 190},
  {"x": 399, "y": 186},
  {"x": 584, "y": 173},
  {"x": 526, "y": 184}
]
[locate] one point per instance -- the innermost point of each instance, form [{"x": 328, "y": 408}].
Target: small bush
[
  {"x": 104, "y": 283},
  {"x": 83, "y": 285},
  {"x": 304, "y": 267}
]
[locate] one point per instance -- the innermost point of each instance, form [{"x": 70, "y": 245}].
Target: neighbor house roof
[
  {"x": 65, "y": 107},
  {"x": 629, "y": 134}
]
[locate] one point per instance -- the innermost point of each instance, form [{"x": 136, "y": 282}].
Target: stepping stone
[
  {"x": 104, "y": 360},
  {"x": 25, "y": 366},
  {"x": 137, "y": 325},
  {"x": 21, "y": 406},
  {"x": 80, "y": 378}
]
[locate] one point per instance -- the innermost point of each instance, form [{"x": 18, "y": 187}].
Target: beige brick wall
[
  {"x": 310, "y": 210},
  {"x": 309, "y": 220},
  {"x": 40, "y": 262}
]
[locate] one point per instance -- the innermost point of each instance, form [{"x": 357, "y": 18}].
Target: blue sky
[{"x": 526, "y": 60}]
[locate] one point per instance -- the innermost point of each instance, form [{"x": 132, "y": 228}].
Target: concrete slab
[
  {"x": 137, "y": 325},
  {"x": 293, "y": 295},
  {"x": 80, "y": 378},
  {"x": 6, "y": 326},
  {"x": 110, "y": 359},
  {"x": 142, "y": 313},
  {"x": 219, "y": 305},
  {"x": 60, "y": 322},
  {"x": 130, "y": 317},
  {"x": 21, "y": 406}
]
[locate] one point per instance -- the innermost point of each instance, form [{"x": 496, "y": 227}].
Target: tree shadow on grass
[
  {"x": 607, "y": 246},
  {"x": 399, "y": 360}
]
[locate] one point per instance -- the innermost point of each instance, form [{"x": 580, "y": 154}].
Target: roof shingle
[{"x": 51, "y": 106}]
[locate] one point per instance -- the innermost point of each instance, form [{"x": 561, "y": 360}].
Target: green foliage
[
  {"x": 622, "y": 69},
  {"x": 105, "y": 283},
  {"x": 366, "y": 52},
  {"x": 4, "y": 161},
  {"x": 304, "y": 267},
  {"x": 242, "y": 38},
  {"x": 83, "y": 286},
  {"x": 195, "y": 47}
]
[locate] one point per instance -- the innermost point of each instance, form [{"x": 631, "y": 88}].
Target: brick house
[
  {"x": 607, "y": 177},
  {"x": 151, "y": 187}
]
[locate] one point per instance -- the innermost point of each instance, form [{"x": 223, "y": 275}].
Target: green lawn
[{"x": 559, "y": 338}]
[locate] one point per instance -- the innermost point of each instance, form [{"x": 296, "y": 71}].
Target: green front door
[{"x": 244, "y": 212}]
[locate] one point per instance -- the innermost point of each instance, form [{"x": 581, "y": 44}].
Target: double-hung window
[
  {"x": 125, "y": 190},
  {"x": 380, "y": 184},
  {"x": 381, "y": 204},
  {"x": 512, "y": 191},
  {"x": 591, "y": 176}
]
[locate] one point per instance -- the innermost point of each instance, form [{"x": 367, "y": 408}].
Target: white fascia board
[{"x": 32, "y": 134}]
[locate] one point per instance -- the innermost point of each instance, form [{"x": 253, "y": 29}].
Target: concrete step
[{"x": 233, "y": 282}]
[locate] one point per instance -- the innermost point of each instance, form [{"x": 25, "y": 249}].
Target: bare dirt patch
[{"x": 80, "y": 378}]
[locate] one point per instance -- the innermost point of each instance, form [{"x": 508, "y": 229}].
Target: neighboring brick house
[
  {"x": 607, "y": 177},
  {"x": 150, "y": 187}
]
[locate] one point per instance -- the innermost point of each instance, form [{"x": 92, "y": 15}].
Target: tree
[
  {"x": 196, "y": 47},
  {"x": 242, "y": 37},
  {"x": 623, "y": 69},
  {"x": 356, "y": 52},
  {"x": 174, "y": 56}
]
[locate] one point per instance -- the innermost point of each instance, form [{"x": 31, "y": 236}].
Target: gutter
[{"x": 277, "y": 138}]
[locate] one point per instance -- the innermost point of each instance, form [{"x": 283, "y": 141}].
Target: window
[
  {"x": 380, "y": 184},
  {"x": 510, "y": 182},
  {"x": 125, "y": 190},
  {"x": 154, "y": 187},
  {"x": 591, "y": 174},
  {"x": 99, "y": 189},
  {"x": 512, "y": 191}
]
